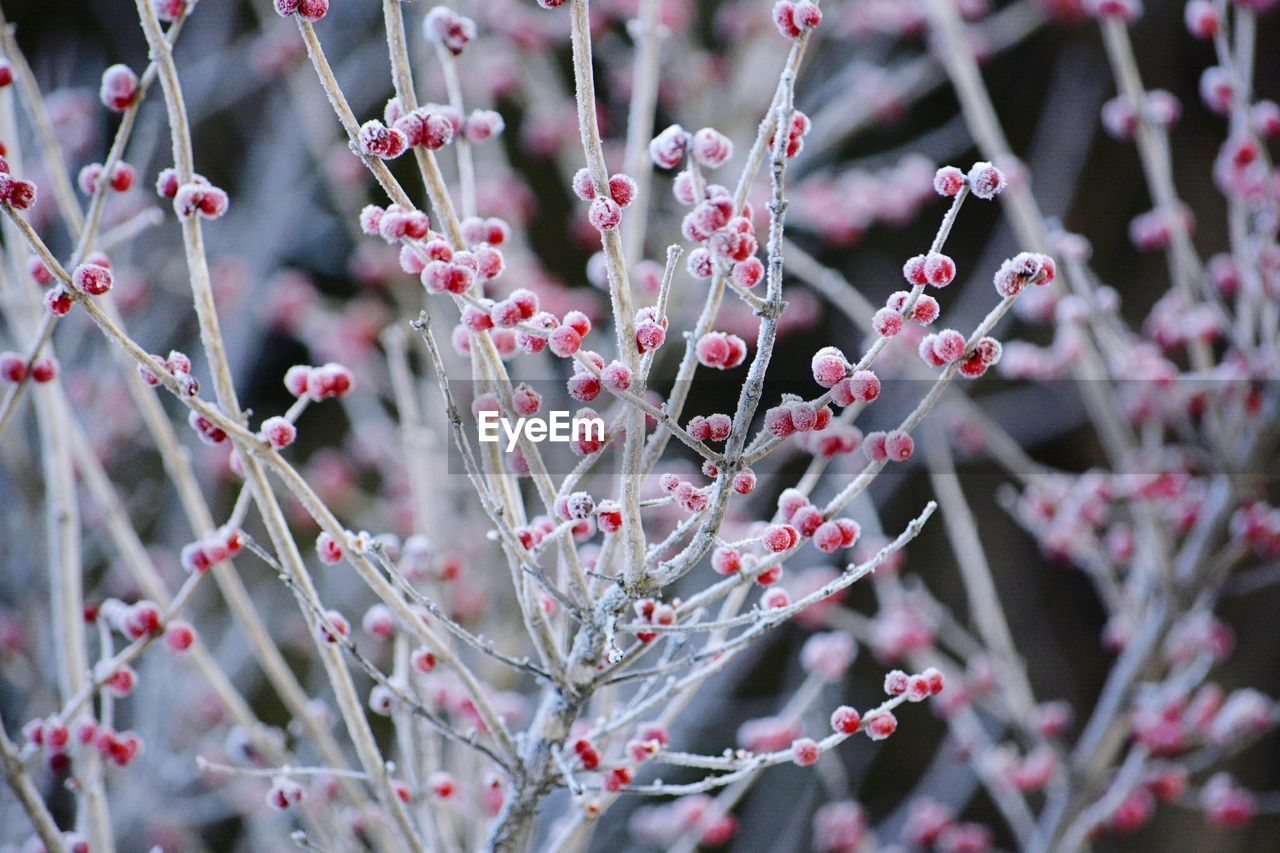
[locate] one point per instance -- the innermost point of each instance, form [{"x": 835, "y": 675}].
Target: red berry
[
  {"x": 44, "y": 369},
  {"x": 279, "y": 432},
  {"x": 898, "y": 446},
  {"x": 605, "y": 214},
  {"x": 948, "y": 181},
  {"x": 804, "y": 751},
  {"x": 846, "y": 720},
  {"x": 881, "y": 725},
  {"x": 119, "y": 86},
  {"x": 92, "y": 279},
  {"x": 179, "y": 636}
]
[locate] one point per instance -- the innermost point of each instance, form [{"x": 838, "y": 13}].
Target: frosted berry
[
  {"x": 846, "y": 720},
  {"x": 939, "y": 270},
  {"x": 622, "y": 189},
  {"x": 284, "y": 792},
  {"x": 881, "y": 725},
  {"x": 119, "y": 87},
  {"x": 898, "y": 446},
  {"x": 18, "y": 194},
  {"x": 804, "y": 751},
  {"x": 583, "y": 187},
  {"x": 179, "y": 636},
  {"x": 483, "y": 125},
  {"x": 948, "y": 181},
  {"x": 279, "y": 432},
  {"x": 886, "y": 322},
  {"x": 780, "y": 537},
  {"x": 986, "y": 181},
  {"x": 328, "y": 549},
  {"x": 605, "y": 214},
  {"x": 92, "y": 279},
  {"x": 748, "y": 273},
  {"x": 828, "y": 366},
  {"x": 668, "y": 148},
  {"x": 378, "y": 140},
  {"x": 711, "y": 148},
  {"x": 448, "y": 29},
  {"x": 775, "y": 598}
]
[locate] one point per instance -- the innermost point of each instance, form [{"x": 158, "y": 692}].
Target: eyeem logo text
[{"x": 558, "y": 426}]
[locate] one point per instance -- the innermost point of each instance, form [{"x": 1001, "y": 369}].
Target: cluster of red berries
[
  {"x": 307, "y": 10},
  {"x": 14, "y": 368},
  {"x": 223, "y": 544},
  {"x": 720, "y": 350},
  {"x": 685, "y": 494},
  {"x": 794, "y": 19},
  {"x": 195, "y": 198},
  {"x": 331, "y": 380},
  {"x": 606, "y": 210},
  {"x": 794, "y": 416},
  {"x": 447, "y": 28},
  {"x": 119, "y": 88},
  {"x": 893, "y": 446},
  {"x": 121, "y": 178},
  {"x": 1023, "y": 269},
  {"x": 177, "y": 365},
  {"x": 650, "y": 612}
]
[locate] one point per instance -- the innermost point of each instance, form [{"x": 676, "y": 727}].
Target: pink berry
[
  {"x": 483, "y": 125},
  {"x": 423, "y": 661},
  {"x": 828, "y": 537},
  {"x": 605, "y": 214},
  {"x": 804, "y": 751},
  {"x": 748, "y": 273},
  {"x": 778, "y": 421},
  {"x": 886, "y": 322},
  {"x": 779, "y": 537},
  {"x": 807, "y": 519},
  {"x": 179, "y": 636},
  {"x": 279, "y": 432},
  {"x": 565, "y": 341},
  {"x": 744, "y": 482},
  {"x": 880, "y": 726},
  {"x": 583, "y": 187},
  {"x": 668, "y": 148},
  {"x": 896, "y": 682},
  {"x": 295, "y": 379},
  {"x": 939, "y": 270},
  {"x": 926, "y": 310},
  {"x": 20, "y": 195},
  {"x": 846, "y": 720},
  {"x": 828, "y": 366},
  {"x": 616, "y": 376},
  {"x": 92, "y": 279},
  {"x": 119, "y": 86},
  {"x": 775, "y": 598},
  {"x": 622, "y": 189},
  {"x": 986, "y": 181},
  {"x": 39, "y": 272},
  {"x": 948, "y": 181},
  {"x": 284, "y": 792},
  {"x": 914, "y": 270},
  {"x": 725, "y": 561},
  {"x": 650, "y": 336},
  {"x": 448, "y": 29},
  {"x": 329, "y": 551},
  {"x": 378, "y": 140},
  {"x": 898, "y": 446},
  {"x": 711, "y": 148}
]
